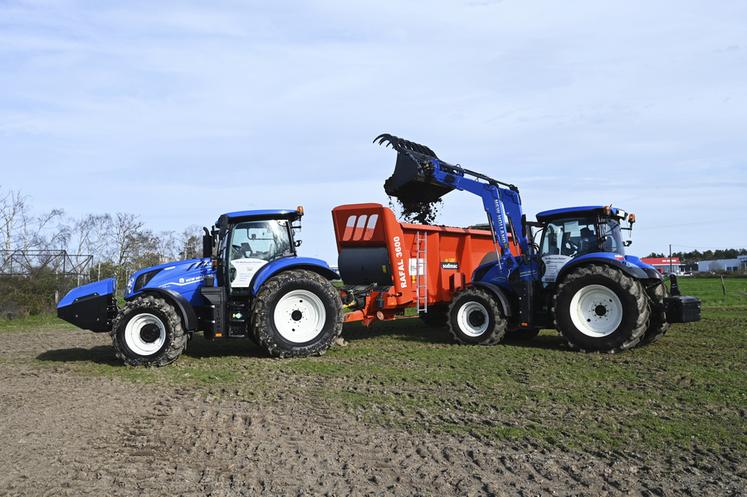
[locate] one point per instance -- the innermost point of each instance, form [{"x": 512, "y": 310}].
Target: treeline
[
  {"x": 119, "y": 243},
  {"x": 708, "y": 255}
]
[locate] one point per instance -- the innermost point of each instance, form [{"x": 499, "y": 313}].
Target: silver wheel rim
[
  {"x": 596, "y": 311},
  {"x": 145, "y": 334},
  {"x": 299, "y": 316},
  {"x": 473, "y": 319}
]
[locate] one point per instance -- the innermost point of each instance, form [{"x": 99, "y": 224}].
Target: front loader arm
[{"x": 421, "y": 176}]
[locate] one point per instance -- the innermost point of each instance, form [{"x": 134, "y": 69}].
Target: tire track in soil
[{"x": 63, "y": 434}]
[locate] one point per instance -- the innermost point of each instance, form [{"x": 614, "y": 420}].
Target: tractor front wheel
[
  {"x": 297, "y": 313},
  {"x": 148, "y": 332},
  {"x": 476, "y": 318},
  {"x": 600, "y": 308}
]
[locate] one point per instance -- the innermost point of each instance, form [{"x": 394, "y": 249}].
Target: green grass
[
  {"x": 40, "y": 320},
  {"x": 711, "y": 293},
  {"x": 688, "y": 389}
]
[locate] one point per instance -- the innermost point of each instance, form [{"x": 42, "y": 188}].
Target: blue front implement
[{"x": 91, "y": 307}]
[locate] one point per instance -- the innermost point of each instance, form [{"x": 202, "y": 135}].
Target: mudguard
[
  {"x": 650, "y": 270},
  {"x": 91, "y": 307},
  {"x": 498, "y": 292},
  {"x": 272, "y": 268},
  {"x": 606, "y": 258}
]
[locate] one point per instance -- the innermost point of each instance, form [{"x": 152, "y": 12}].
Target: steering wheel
[{"x": 571, "y": 247}]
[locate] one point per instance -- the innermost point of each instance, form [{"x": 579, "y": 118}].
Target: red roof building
[{"x": 664, "y": 264}]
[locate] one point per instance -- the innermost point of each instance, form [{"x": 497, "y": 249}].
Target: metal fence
[{"x": 60, "y": 262}]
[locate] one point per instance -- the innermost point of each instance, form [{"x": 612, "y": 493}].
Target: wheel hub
[
  {"x": 145, "y": 334},
  {"x": 299, "y": 316},
  {"x": 596, "y": 311},
  {"x": 472, "y": 319},
  {"x": 150, "y": 333},
  {"x": 476, "y": 318}
]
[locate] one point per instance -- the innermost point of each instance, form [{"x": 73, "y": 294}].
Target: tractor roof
[
  {"x": 585, "y": 210},
  {"x": 257, "y": 215}
]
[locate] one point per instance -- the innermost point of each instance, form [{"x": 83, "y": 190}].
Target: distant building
[
  {"x": 665, "y": 265},
  {"x": 739, "y": 264}
]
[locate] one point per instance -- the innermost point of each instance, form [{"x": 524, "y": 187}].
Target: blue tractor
[
  {"x": 250, "y": 283},
  {"x": 571, "y": 273}
]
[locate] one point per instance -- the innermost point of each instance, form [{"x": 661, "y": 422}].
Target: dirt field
[{"x": 399, "y": 411}]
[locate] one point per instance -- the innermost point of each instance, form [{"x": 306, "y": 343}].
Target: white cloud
[{"x": 179, "y": 110}]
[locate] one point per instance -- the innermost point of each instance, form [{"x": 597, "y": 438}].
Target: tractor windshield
[
  {"x": 574, "y": 237},
  {"x": 610, "y": 236}
]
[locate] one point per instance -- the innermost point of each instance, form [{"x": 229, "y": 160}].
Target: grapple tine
[{"x": 402, "y": 145}]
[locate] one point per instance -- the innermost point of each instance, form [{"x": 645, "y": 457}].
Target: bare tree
[
  {"x": 168, "y": 246},
  {"x": 90, "y": 235},
  {"x": 191, "y": 242},
  {"x": 125, "y": 234},
  {"x": 12, "y": 211},
  {"x": 39, "y": 232}
]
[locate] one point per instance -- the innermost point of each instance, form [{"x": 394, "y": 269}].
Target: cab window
[{"x": 264, "y": 240}]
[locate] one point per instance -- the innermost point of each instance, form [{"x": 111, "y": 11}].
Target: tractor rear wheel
[
  {"x": 297, "y": 313},
  {"x": 475, "y": 318},
  {"x": 657, "y": 325},
  {"x": 599, "y": 308},
  {"x": 148, "y": 332}
]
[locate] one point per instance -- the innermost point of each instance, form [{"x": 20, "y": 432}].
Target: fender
[
  {"x": 498, "y": 293},
  {"x": 626, "y": 267},
  {"x": 185, "y": 309},
  {"x": 650, "y": 270},
  {"x": 272, "y": 268}
]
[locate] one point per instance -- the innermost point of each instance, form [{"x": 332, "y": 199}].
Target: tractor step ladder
[{"x": 421, "y": 272}]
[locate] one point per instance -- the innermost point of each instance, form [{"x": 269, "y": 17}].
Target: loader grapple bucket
[{"x": 411, "y": 181}]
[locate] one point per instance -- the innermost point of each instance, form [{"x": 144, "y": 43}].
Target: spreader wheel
[
  {"x": 297, "y": 313},
  {"x": 600, "y": 308},
  {"x": 476, "y": 318}
]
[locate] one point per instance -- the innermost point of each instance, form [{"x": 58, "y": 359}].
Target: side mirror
[
  {"x": 207, "y": 244},
  {"x": 627, "y": 243},
  {"x": 298, "y": 243}
]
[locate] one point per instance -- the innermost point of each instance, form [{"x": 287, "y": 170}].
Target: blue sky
[{"x": 178, "y": 111}]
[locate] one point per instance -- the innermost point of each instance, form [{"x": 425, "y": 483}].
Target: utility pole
[{"x": 670, "y": 258}]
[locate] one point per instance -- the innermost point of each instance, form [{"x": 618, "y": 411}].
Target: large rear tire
[
  {"x": 148, "y": 331},
  {"x": 599, "y": 308},
  {"x": 657, "y": 326},
  {"x": 297, "y": 313},
  {"x": 475, "y": 318}
]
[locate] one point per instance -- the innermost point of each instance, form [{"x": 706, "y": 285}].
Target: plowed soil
[{"x": 66, "y": 429}]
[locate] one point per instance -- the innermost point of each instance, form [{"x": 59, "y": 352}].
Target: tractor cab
[
  {"x": 242, "y": 242},
  {"x": 574, "y": 232}
]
